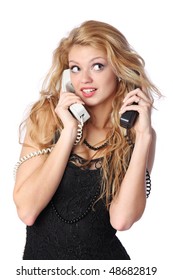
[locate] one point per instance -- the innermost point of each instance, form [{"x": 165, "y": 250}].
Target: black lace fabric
[{"x": 75, "y": 225}]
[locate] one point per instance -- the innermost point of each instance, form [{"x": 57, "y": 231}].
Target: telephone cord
[
  {"x": 79, "y": 132},
  {"x": 47, "y": 150}
]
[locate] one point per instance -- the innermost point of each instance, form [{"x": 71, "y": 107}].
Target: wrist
[
  {"x": 147, "y": 135},
  {"x": 143, "y": 140},
  {"x": 70, "y": 133}
]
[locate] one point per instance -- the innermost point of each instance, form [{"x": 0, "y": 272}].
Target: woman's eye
[
  {"x": 98, "y": 66},
  {"x": 75, "y": 69}
]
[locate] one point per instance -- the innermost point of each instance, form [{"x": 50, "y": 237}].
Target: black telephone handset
[
  {"x": 77, "y": 110},
  {"x": 128, "y": 118}
]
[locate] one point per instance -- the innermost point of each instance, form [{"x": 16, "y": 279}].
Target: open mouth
[{"x": 88, "y": 92}]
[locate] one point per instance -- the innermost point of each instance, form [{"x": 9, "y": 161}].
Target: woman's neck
[{"x": 100, "y": 118}]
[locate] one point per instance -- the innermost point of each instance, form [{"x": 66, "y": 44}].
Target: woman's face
[{"x": 91, "y": 75}]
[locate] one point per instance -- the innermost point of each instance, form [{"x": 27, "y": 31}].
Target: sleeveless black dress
[{"x": 74, "y": 225}]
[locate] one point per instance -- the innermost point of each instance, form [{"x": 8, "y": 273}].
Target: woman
[{"x": 75, "y": 192}]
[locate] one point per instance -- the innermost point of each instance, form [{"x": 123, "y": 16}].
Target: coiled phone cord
[
  {"x": 147, "y": 175},
  {"x": 79, "y": 132},
  {"x": 47, "y": 150}
]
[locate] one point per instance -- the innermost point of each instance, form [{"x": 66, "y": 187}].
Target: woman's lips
[{"x": 88, "y": 92}]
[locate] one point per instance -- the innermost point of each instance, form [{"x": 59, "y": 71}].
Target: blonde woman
[{"x": 78, "y": 182}]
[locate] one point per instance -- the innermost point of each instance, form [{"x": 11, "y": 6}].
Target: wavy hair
[{"x": 128, "y": 66}]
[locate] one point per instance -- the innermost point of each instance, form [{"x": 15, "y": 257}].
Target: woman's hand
[
  {"x": 62, "y": 109},
  {"x": 143, "y": 107}
]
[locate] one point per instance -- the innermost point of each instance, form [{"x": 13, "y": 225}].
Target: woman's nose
[{"x": 86, "y": 77}]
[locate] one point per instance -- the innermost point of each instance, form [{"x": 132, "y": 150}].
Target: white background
[{"x": 29, "y": 32}]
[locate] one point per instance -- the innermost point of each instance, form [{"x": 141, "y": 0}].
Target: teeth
[{"x": 88, "y": 90}]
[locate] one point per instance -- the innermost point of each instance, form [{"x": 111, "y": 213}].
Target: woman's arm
[
  {"x": 129, "y": 205},
  {"x": 38, "y": 178}
]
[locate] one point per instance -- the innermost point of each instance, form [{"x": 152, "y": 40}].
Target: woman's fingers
[
  {"x": 135, "y": 95},
  {"x": 67, "y": 99}
]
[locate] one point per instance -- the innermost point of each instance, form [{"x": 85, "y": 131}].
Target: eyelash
[
  {"x": 101, "y": 66},
  {"x": 72, "y": 68}
]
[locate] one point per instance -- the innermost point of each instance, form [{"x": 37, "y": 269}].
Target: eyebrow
[{"x": 97, "y": 57}]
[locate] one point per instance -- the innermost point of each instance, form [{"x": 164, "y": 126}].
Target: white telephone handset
[{"x": 77, "y": 110}]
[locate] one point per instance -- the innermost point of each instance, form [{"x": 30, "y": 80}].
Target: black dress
[{"x": 74, "y": 225}]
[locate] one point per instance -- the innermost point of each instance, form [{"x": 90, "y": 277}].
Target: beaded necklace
[{"x": 95, "y": 148}]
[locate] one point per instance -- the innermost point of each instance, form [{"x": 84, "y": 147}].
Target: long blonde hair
[{"x": 128, "y": 67}]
